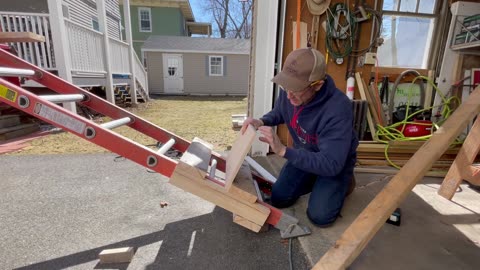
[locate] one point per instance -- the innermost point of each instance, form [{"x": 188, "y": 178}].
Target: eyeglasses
[{"x": 300, "y": 92}]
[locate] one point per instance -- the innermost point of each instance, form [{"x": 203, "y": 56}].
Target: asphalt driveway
[{"x": 60, "y": 211}]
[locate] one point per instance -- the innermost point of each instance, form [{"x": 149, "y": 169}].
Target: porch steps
[
  {"x": 123, "y": 96},
  {"x": 17, "y": 131}
]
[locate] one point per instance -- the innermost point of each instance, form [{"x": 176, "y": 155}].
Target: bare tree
[{"x": 231, "y": 18}]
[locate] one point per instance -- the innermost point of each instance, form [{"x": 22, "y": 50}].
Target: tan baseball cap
[{"x": 302, "y": 67}]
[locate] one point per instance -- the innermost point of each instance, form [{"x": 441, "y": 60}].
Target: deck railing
[
  {"x": 86, "y": 48},
  {"x": 119, "y": 56},
  {"x": 37, "y": 53},
  {"x": 140, "y": 73}
]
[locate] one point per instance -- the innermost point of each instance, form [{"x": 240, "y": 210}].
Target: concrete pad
[
  {"x": 61, "y": 211},
  {"x": 434, "y": 233}
]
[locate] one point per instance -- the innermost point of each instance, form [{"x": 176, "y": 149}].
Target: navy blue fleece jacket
[{"x": 323, "y": 137}]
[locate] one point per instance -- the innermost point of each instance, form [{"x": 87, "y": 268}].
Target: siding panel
[
  {"x": 196, "y": 82},
  {"x": 82, "y": 11},
  {"x": 155, "y": 72}
]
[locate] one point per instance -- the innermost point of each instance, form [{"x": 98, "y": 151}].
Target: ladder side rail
[
  {"x": 51, "y": 113},
  {"x": 101, "y": 106}
]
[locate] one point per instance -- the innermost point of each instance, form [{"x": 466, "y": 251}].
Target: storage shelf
[{"x": 469, "y": 45}]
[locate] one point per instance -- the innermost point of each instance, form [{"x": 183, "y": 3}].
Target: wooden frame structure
[{"x": 371, "y": 219}]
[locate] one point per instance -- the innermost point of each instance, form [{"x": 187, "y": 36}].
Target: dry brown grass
[{"x": 208, "y": 118}]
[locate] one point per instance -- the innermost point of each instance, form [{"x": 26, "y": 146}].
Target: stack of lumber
[{"x": 372, "y": 154}]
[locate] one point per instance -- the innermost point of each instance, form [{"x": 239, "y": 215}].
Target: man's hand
[
  {"x": 273, "y": 140},
  {"x": 256, "y": 123}
]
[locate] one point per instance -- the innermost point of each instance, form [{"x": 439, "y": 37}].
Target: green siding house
[{"x": 161, "y": 17}]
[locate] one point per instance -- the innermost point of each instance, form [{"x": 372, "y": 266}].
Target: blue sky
[{"x": 198, "y": 12}]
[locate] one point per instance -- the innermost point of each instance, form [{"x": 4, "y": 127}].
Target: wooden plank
[
  {"x": 20, "y": 37},
  {"x": 364, "y": 227},
  {"x": 198, "y": 154},
  {"x": 193, "y": 180},
  {"x": 116, "y": 255},
  {"x": 373, "y": 96},
  {"x": 465, "y": 158},
  {"x": 393, "y": 73},
  {"x": 472, "y": 175},
  {"x": 237, "y": 154},
  {"x": 246, "y": 223},
  {"x": 435, "y": 173},
  {"x": 370, "y": 120}
]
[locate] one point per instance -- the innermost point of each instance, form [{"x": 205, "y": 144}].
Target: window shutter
[
  {"x": 225, "y": 66},
  {"x": 206, "y": 65}
]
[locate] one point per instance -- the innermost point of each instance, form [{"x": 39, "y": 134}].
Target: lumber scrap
[
  {"x": 461, "y": 168},
  {"x": 116, "y": 255},
  {"x": 364, "y": 227},
  {"x": 20, "y": 37}
]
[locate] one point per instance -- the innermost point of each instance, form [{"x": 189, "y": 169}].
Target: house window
[
  {"x": 65, "y": 11},
  {"x": 215, "y": 65},
  {"x": 407, "y": 30},
  {"x": 95, "y": 24},
  {"x": 145, "y": 19}
]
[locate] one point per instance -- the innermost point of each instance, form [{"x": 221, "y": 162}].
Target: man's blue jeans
[{"x": 328, "y": 193}]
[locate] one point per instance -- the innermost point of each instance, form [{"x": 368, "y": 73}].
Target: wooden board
[
  {"x": 20, "y": 37},
  {"x": 116, "y": 255},
  {"x": 193, "y": 180},
  {"x": 237, "y": 154},
  {"x": 373, "y": 217},
  {"x": 246, "y": 223},
  {"x": 465, "y": 157}
]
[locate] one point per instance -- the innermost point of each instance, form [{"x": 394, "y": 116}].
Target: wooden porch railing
[
  {"x": 86, "y": 48},
  {"x": 37, "y": 53},
  {"x": 140, "y": 73},
  {"x": 119, "y": 56}
]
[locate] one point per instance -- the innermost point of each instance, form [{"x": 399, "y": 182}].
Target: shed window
[
  {"x": 407, "y": 30},
  {"x": 145, "y": 19},
  {"x": 215, "y": 65}
]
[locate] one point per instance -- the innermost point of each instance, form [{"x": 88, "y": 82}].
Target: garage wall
[{"x": 195, "y": 74}]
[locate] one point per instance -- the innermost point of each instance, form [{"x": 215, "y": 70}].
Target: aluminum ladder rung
[
  {"x": 117, "y": 123},
  {"x": 15, "y": 72},
  {"x": 164, "y": 148},
  {"x": 63, "y": 98}
]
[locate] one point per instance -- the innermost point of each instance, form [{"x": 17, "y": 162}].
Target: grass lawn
[{"x": 208, "y": 118}]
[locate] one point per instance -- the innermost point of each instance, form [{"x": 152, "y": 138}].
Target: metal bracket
[
  {"x": 290, "y": 228},
  {"x": 295, "y": 230}
]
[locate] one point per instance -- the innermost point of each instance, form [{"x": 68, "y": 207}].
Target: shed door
[{"x": 173, "y": 73}]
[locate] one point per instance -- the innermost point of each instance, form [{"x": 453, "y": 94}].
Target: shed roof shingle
[{"x": 196, "y": 44}]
